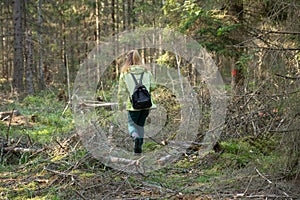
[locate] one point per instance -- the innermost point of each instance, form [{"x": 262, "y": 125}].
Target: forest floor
[{"x": 42, "y": 158}]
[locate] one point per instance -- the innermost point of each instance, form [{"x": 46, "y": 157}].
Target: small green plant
[
  {"x": 151, "y": 146},
  {"x": 238, "y": 153}
]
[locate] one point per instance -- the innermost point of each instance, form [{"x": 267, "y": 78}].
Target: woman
[{"x": 136, "y": 117}]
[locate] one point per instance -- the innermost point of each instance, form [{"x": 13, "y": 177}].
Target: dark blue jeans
[{"x": 136, "y": 122}]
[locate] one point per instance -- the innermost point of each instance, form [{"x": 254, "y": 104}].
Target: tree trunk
[
  {"x": 97, "y": 23},
  {"x": 28, "y": 76},
  {"x": 129, "y": 14},
  {"x": 124, "y": 15},
  {"x": 2, "y": 70},
  {"x": 113, "y": 17},
  {"x": 117, "y": 33},
  {"x": 236, "y": 9},
  {"x": 63, "y": 59},
  {"x": 18, "y": 47},
  {"x": 40, "y": 50},
  {"x": 106, "y": 13}
]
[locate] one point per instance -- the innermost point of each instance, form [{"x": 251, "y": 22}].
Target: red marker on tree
[{"x": 234, "y": 72}]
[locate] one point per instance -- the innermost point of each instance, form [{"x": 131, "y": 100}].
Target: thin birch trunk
[
  {"x": 97, "y": 37},
  {"x": 178, "y": 61},
  {"x": 68, "y": 78}
]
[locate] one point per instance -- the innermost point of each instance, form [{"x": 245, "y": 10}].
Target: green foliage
[
  {"x": 214, "y": 27},
  {"x": 226, "y": 29},
  {"x": 243, "y": 61},
  {"x": 151, "y": 146},
  {"x": 168, "y": 59},
  {"x": 188, "y": 162},
  {"x": 238, "y": 153},
  {"x": 210, "y": 27}
]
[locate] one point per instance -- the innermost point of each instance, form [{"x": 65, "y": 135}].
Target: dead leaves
[{"x": 15, "y": 118}]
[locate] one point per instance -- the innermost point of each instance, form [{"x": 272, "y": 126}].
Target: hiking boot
[{"x": 138, "y": 142}]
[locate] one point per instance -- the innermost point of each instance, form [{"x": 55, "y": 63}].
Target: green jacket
[{"x": 127, "y": 84}]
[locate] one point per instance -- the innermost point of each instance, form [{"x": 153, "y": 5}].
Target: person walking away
[{"x": 136, "y": 117}]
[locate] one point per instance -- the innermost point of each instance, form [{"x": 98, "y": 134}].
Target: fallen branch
[
  {"x": 164, "y": 159},
  {"x": 66, "y": 108},
  {"x": 265, "y": 196},
  {"x": 288, "y": 77},
  {"x": 80, "y": 195},
  {"x": 124, "y": 161},
  {"x": 20, "y": 149},
  {"x": 270, "y": 182},
  {"x": 160, "y": 188},
  {"x": 97, "y": 104},
  {"x": 60, "y": 173}
]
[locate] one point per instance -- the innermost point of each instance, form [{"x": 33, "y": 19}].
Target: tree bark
[
  {"x": 124, "y": 15},
  {"x": 40, "y": 50},
  {"x": 236, "y": 9},
  {"x": 28, "y": 76},
  {"x": 18, "y": 47}
]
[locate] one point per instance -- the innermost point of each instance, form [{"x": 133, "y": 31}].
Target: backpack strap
[
  {"x": 141, "y": 78},
  {"x": 135, "y": 81}
]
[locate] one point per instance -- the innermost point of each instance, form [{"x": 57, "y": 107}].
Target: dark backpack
[{"x": 140, "y": 98}]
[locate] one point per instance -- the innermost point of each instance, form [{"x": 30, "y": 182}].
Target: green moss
[
  {"x": 187, "y": 162},
  {"x": 151, "y": 146},
  {"x": 238, "y": 153},
  {"x": 48, "y": 119},
  {"x": 87, "y": 175},
  {"x": 203, "y": 179}
]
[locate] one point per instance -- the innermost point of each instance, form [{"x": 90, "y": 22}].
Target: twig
[
  {"x": 151, "y": 185},
  {"x": 288, "y": 77},
  {"x": 123, "y": 183},
  {"x": 246, "y": 190},
  {"x": 266, "y": 196},
  {"x": 61, "y": 146},
  {"x": 282, "y": 32},
  {"x": 29, "y": 139},
  {"x": 20, "y": 149},
  {"x": 80, "y": 195},
  {"x": 66, "y": 108},
  {"x": 284, "y": 131},
  {"x": 59, "y": 173},
  {"x": 177, "y": 191},
  {"x": 270, "y": 182}
]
